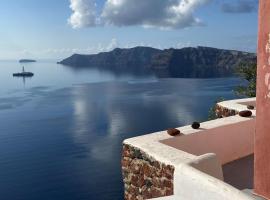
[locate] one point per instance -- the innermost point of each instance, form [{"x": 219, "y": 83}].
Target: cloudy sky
[{"x": 44, "y": 29}]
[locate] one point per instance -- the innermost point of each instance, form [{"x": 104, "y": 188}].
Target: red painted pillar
[{"x": 262, "y": 135}]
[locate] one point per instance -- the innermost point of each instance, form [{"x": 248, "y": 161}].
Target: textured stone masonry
[
  {"x": 222, "y": 112},
  {"x": 144, "y": 177}
]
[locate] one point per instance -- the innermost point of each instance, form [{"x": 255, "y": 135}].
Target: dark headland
[
  {"x": 26, "y": 61},
  {"x": 190, "y": 62}
]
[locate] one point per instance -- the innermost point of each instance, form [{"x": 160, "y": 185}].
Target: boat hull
[{"x": 24, "y": 74}]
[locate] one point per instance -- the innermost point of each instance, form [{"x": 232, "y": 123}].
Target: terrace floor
[{"x": 239, "y": 173}]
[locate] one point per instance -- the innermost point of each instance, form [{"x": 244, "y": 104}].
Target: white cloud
[
  {"x": 26, "y": 53},
  {"x": 84, "y": 13},
  {"x": 165, "y": 14},
  {"x": 181, "y": 45},
  {"x": 91, "y": 49},
  {"x": 112, "y": 45},
  {"x": 240, "y": 6},
  {"x": 152, "y": 13}
]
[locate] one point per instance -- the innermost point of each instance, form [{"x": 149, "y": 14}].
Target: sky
[{"x": 56, "y": 29}]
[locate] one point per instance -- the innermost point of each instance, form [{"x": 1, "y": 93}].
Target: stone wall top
[{"x": 151, "y": 145}]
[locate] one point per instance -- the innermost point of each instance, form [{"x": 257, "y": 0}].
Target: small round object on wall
[
  {"x": 173, "y": 132},
  {"x": 250, "y": 107},
  {"x": 196, "y": 125},
  {"x": 245, "y": 113}
]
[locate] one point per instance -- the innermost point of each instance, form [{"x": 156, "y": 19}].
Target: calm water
[{"x": 61, "y": 131}]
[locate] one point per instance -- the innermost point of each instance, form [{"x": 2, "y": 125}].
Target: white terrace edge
[
  {"x": 195, "y": 177},
  {"x": 238, "y": 104}
]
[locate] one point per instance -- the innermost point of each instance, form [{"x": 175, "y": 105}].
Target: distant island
[
  {"x": 26, "y": 61},
  {"x": 190, "y": 62}
]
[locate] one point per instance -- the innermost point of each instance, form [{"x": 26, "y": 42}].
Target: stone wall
[
  {"x": 222, "y": 112},
  {"x": 145, "y": 177}
]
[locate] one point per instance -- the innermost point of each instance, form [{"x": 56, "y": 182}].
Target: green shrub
[
  {"x": 212, "y": 111},
  {"x": 248, "y": 73}
]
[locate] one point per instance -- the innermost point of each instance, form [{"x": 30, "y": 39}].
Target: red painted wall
[{"x": 262, "y": 136}]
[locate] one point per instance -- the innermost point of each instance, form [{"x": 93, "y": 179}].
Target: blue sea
[{"x": 61, "y": 131}]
